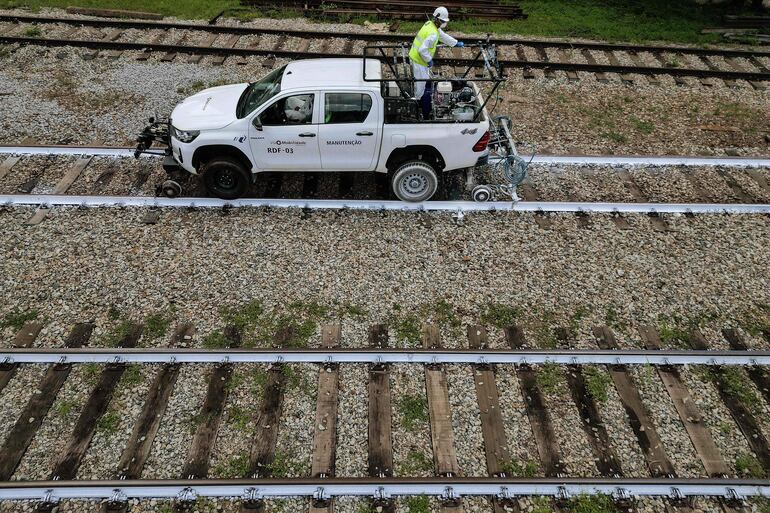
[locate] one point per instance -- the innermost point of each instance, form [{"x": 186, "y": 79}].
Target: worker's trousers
[{"x": 422, "y": 90}]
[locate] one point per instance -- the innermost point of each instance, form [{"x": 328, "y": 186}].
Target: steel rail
[
  {"x": 143, "y": 24},
  {"x": 325, "y": 488},
  {"x": 458, "y": 207},
  {"x": 579, "y": 160},
  {"x": 219, "y": 50},
  {"x": 377, "y": 356}
]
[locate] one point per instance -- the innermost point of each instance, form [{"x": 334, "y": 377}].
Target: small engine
[{"x": 454, "y": 100}]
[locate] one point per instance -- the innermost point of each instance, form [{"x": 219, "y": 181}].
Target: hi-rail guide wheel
[{"x": 504, "y": 160}]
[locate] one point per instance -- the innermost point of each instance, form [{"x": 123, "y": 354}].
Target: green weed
[
  {"x": 597, "y": 382},
  {"x": 499, "y": 315},
  {"x": 415, "y": 463},
  {"x": 549, "y": 377},
  {"x": 109, "y": 422},
  {"x": 408, "y": 330},
  {"x": 418, "y": 504},
  {"x": 285, "y": 464},
  {"x": 515, "y": 468},
  {"x": 747, "y": 466},
  {"x": 736, "y": 383},
  {"x": 351, "y": 310},
  {"x": 238, "y": 417},
  {"x": 541, "y": 504},
  {"x": 592, "y": 504},
  {"x": 645, "y": 127},
  {"x": 17, "y": 319},
  {"x": 132, "y": 376},
  {"x": 216, "y": 340},
  {"x": 33, "y": 31},
  {"x": 91, "y": 373},
  {"x": 114, "y": 337},
  {"x": 156, "y": 325},
  {"x": 114, "y": 313},
  {"x": 232, "y": 468},
  {"x": 64, "y": 407},
  {"x": 413, "y": 410}
]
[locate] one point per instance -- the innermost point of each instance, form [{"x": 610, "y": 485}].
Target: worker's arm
[
  {"x": 425, "y": 47},
  {"x": 446, "y": 38}
]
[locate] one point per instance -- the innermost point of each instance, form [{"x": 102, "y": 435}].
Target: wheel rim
[
  {"x": 414, "y": 185},
  {"x": 225, "y": 179}
]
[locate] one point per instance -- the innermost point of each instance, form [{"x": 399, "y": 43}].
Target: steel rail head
[
  {"x": 51, "y": 491},
  {"x": 577, "y": 160},
  {"x": 324, "y": 356},
  {"x": 454, "y": 207}
]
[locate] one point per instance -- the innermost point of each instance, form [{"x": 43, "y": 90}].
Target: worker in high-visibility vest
[{"x": 422, "y": 52}]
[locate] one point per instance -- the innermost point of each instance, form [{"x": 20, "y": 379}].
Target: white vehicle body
[{"x": 319, "y": 144}]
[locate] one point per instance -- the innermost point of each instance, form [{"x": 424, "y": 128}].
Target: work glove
[
  {"x": 460, "y": 44},
  {"x": 430, "y": 63}
]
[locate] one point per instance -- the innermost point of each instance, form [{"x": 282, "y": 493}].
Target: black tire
[
  {"x": 226, "y": 178},
  {"x": 414, "y": 181}
]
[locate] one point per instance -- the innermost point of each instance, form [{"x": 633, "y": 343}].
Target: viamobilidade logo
[{"x": 280, "y": 142}]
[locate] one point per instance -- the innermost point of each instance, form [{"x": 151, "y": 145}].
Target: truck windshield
[{"x": 259, "y": 92}]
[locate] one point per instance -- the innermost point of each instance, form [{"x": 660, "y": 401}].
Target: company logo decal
[{"x": 280, "y": 142}]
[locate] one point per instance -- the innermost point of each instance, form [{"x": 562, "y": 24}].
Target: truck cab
[{"x": 336, "y": 114}]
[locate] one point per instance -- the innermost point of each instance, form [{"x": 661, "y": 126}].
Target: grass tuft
[
  {"x": 17, "y": 319},
  {"x": 418, "y": 504},
  {"x": 416, "y": 462},
  {"x": 515, "y": 468},
  {"x": 499, "y": 315},
  {"x": 592, "y": 504},
  {"x": 109, "y": 422},
  {"x": 233, "y": 467},
  {"x": 156, "y": 325},
  {"x": 549, "y": 377},
  {"x": 413, "y": 410},
  {"x": 747, "y": 466},
  {"x": 597, "y": 382}
]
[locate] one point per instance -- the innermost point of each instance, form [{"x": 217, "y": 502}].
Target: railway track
[
  {"x": 88, "y": 182},
  {"x": 321, "y": 486},
  {"x": 178, "y": 41}
]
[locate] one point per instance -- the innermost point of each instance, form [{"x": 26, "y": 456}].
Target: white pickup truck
[{"x": 335, "y": 114}]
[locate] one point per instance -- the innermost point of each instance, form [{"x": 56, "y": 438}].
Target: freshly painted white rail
[
  {"x": 255, "y": 489},
  {"x": 377, "y": 356},
  {"x": 460, "y": 207},
  {"x": 578, "y": 160}
]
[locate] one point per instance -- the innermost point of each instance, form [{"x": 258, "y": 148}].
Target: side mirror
[{"x": 257, "y": 123}]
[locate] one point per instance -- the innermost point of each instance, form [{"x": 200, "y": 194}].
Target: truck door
[
  {"x": 284, "y": 136},
  {"x": 349, "y": 133}
]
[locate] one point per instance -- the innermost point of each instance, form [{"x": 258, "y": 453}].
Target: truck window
[
  {"x": 292, "y": 110},
  {"x": 346, "y": 107}
]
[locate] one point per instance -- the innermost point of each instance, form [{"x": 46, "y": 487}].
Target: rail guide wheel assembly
[
  {"x": 171, "y": 189},
  {"x": 504, "y": 160}
]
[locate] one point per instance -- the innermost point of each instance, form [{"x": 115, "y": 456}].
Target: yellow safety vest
[{"x": 427, "y": 30}]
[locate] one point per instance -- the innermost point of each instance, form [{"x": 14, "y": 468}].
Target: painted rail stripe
[
  {"x": 332, "y": 487},
  {"x": 51, "y": 200},
  {"x": 382, "y": 355},
  {"x": 609, "y": 160}
]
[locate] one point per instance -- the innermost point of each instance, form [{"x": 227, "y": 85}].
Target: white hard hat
[{"x": 441, "y": 13}]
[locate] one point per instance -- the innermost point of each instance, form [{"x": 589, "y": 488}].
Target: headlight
[{"x": 186, "y": 136}]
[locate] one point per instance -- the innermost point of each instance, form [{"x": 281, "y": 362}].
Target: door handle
[
  {"x": 307, "y": 134},
  {"x": 364, "y": 133}
]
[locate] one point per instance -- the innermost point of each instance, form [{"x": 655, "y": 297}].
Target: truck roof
[{"x": 345, "y": 72}]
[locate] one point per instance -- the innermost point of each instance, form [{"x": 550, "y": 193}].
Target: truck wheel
[
  {"x": 414, "y": 181},
  {"x": 225, "y": 178}
]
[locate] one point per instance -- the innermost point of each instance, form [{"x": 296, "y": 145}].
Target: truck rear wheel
[
  {"x": 414, "y": 181},
  {"x": 225, "y": 178}
]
